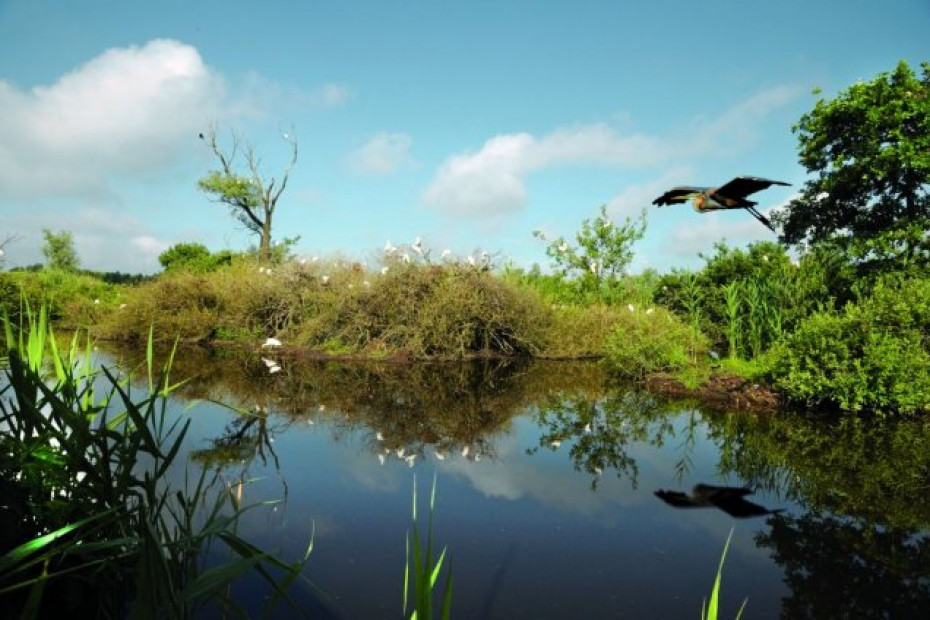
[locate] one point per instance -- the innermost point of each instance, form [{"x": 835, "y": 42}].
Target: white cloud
[
  {"x": 383, "y": 154},
  {"x": 492, "y": 180},
  {"x": 128, "y": 111}
]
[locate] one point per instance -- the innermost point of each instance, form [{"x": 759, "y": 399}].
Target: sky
[{"x": 468, "y": 124}]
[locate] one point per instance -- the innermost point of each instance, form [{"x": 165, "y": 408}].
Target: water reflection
[
  {"x": 731, "y": 500},
  {"x": 532, "y": 455}
]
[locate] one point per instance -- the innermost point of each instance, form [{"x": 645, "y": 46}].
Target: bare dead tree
[{"x": 251, "y": 197}]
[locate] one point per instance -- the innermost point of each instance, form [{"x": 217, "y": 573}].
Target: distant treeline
[{"x": 110, "y": 277}]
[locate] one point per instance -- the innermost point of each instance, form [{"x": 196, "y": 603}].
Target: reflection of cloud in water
[{"x": 514, "y": 476}]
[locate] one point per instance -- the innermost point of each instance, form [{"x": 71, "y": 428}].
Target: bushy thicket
[
  {"x": 73, "y": 299},
  {"x": 874, "y": 355},
  {"x": 652, "y": 340},
  {"x": 422, "y": 310}
]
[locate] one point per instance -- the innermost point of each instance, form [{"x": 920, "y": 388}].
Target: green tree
[
  {"x": 869, "y": 152},
  {"x": 59, "y": 250},
  {"x": 251, "y": 197},
  {"x": 601, "y": 253}
]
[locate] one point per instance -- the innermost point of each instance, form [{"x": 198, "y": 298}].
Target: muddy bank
[{"x": 722, "y": 391}]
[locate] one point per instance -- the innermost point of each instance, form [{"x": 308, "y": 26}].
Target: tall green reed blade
[
  {"x": 423, "y": 576},
  {"x": 710, "y": 611}
]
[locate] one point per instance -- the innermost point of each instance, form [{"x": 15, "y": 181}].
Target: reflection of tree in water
[
  {"x": 840, "y": 568},
  {"x": 601, "y": 429},
  {"x": 862, "y": 549},
  {"x": 408, "y": 410},
  {"x": 245, "y": 438}
]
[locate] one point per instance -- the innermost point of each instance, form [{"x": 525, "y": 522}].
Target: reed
[
  {"x": 710, "y": 610},
  {"x": 83, "y": 462},
  {"x": 422, "y": 570}
]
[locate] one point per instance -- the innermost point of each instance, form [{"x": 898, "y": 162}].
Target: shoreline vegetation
[{"x": 833, "y": 316}]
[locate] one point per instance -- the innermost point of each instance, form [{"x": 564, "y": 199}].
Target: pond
[{"x": 559, "y": 494}]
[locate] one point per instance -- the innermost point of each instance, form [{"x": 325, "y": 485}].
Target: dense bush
[
  {"x": 193, "y": 257},
  {"x": 73, "y": 299},
  {"x": 873, "y": 356},
  {"x": 652, "y": 340}
]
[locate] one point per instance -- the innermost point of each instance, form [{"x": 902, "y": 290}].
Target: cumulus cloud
[
  {"x": 127, "y": 111},
  {"x": 492, "y": 180},
  {"x": 383, "y": 154}
]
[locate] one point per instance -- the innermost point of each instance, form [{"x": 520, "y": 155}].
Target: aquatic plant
[
  {"x": 90, "y": 513},
  {"x": 421, "y": 575},
  {"x": 710, "y": 609}
]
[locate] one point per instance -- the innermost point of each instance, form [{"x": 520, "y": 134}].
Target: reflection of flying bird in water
[
  {"x": 731, "y": 500},
  {"x": 729, "y": 196}
]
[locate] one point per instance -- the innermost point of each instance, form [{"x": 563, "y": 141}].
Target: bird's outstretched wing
[
  {"x": 740, "y": 187},
  {"x": 677, "y": 195}
]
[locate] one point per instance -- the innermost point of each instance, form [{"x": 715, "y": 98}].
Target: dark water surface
[{"x": 547, "y": 498}]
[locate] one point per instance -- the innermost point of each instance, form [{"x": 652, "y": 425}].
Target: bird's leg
[{"x": 761, "y": 218}]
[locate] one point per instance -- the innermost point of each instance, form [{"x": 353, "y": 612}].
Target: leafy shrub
[
  {"x": 645, "y": 342},
  {"x": 873, "y": 356},
  {"x": 73, "y": 299},
  {"x": 576, "y": 332},
  {"x": 193, "y": 257}
]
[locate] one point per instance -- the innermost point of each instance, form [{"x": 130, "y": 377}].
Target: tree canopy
[
  {"x": 868, "y": 150},
  {"x": 59, "y": 250}
]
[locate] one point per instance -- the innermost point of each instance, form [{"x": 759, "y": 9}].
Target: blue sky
[{"x": 469, "y": 124}]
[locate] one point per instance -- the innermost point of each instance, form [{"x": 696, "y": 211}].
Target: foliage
[
  {"x": 59, "y": 250},
  {"x": 652, "y": 340},
  {"x": 450, "y": 310},
  {"x": 421, "y": 578},
  {"x": 74, "y": 299},
  {"x": 91, "y": 527},
  {"x": 873, "y": 356},
  {"x": 602, "y": 253},
  {"x": 869, "y": 149},
  {"x": 193, "y": 257},
  {"x": 251, "y": 196},
  {"x": 746, "y": 300}
]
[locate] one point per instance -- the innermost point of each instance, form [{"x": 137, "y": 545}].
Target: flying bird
[{"x": 729, "y": 196}]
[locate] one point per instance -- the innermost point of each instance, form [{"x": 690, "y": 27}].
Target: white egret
[
  {"x": 555, "y": 443},
  {"x": 384, "y": 271},
  {"x": 272, "y": 342}
]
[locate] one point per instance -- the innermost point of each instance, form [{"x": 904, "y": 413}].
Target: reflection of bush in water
[
  {"x": 876, "y": 473},
  {"x": 450, "y": 404},
  {"x": 601, "y": 428},
  {"x": 839, "y": 568}
]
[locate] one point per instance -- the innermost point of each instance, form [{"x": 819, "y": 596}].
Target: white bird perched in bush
[
  {"x": 272, "y": 342},
  {"x": 417, "y": 246},
  {"x": 388, "y": 248}
]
